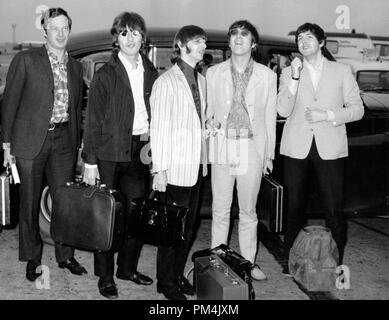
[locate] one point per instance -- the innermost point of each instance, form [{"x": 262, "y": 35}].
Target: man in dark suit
[
  {"x": 41, "y": 130},
  {"x": 116, "y": 131}
]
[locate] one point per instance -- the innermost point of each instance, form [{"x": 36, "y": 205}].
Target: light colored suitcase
[
  {"x": 214, "y": 280},
  {"x": 4, "y": 200}
]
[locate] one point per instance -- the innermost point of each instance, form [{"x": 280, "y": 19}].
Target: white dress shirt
[{"x": 141, "y": 124}]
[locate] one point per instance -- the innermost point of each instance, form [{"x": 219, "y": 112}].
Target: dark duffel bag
[
  {"x": 87, "y": 217},
  {"x": 234, "y": 260},
  {"x": 158, "y": 221}
]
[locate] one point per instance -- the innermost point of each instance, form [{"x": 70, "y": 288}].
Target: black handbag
[{"x": 157, "y": 221}]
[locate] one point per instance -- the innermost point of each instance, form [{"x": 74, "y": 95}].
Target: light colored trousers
[{"x": 248, "y": 181}]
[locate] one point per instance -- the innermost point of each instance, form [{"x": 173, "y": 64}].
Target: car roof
[
  {"x": 358, "y": 65},
  {"x": 340, "y": 35},
  {"x": 101, "y": 40}
]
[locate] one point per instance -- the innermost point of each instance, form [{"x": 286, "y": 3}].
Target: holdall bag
[
  {"x": 157, "y": 221},
  {"x": 87, "y": 217},
  {"x": 313, "y": 259},
  {"x": 234, "y": 260}
]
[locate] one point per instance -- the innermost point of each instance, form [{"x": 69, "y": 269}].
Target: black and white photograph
[{"x": 208, "y": 150}]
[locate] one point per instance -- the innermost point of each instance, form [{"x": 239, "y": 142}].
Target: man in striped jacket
[{"x": 178, "y": 149}]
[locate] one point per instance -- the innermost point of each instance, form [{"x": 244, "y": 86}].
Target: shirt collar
[
  {"x": 53, "y": 56},
  {"x": 317, "y": 68},
  {"x": 184, "y": 66},
  {"x": 128, "y": 65}
]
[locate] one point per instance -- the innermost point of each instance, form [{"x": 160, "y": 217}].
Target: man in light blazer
[
  {"x": 241, "y": 96},
  {"x": 317, "y": 96},
  {"x": 178, "y": 149}
]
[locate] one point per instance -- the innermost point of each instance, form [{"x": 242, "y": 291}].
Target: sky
[{"x": 273, "y": 17}]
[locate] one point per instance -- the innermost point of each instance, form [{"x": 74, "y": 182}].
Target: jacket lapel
[
  {"x": 123, "y": 74},
  {"x": 226, "y": 79},
  {"x": 306, "y": 80},
  {"x": 71, "y": 82},
  {"x": 256, "y": 80},
  {"x": 181, "y": 78},
  {"x": 46, "y": 64},
  {"x": 323, "y": 75},
  {"x": 201, "y": 84},
  {"x": 148, "y": 80}
]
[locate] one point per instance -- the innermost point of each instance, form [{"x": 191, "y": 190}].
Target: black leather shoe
[
  {"x": 185, "y": 286},
  {"x": 286, "y": 272},
  {"x": 173, "y": 293},
  {"x": 31, "y": 273},
  {"x": 136, "y": 277},
  {"x": 73, "y": 266},
  {"x": 108, "y": 289}
]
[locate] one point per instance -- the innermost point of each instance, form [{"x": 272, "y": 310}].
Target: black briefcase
[
  {"x": 271, "y": 204},
  {"x": 87, "y": 217},
  {"x": 158, "y": 220},
  {"x": 215, "y": 280}
]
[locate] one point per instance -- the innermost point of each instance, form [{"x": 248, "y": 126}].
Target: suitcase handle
[
  {"x": 89, "y": 190},
  {"x": 214, "y": 264}
]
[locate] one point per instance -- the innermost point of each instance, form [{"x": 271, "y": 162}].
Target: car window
[
  {"x": 383, "y": 49},
  {"x": 332, "y": 46},
  {"x": 161, "y": 57},
  {"x": 375, "y": 80},
  {"x": 93, "y": 62}
]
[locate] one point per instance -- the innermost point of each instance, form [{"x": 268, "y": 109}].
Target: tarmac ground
[{"x": 366, "y": 256}]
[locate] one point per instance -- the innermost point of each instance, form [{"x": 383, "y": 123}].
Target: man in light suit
[
  {"x": 41, "y": 122},
  {"x": 178, "y": 149},
  {"x": 317, "y": 96},
  {"x": 241, "y": 97}
]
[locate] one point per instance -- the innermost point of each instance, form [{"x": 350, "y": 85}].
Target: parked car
[{"x": 373, "y": 81}]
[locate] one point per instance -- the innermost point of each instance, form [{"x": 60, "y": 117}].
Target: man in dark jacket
[
  {"x": 117, "y": 126},
  {"x": 41, "y": 129}
]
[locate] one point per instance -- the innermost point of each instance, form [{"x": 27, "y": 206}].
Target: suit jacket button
[
  {"x": 127, "y": 151},
  {"x": 315, "y": 99}
]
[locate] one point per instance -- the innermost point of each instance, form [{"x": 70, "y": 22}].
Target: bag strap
[{"x": 166, "y": 194}]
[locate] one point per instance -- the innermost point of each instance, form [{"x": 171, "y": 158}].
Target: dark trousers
[
  {"x": 130, "y": 179},
  {"x": 329, "y": 177},
  {"x": 171, "y": 261},
  {"x": 56, "y": 161}
]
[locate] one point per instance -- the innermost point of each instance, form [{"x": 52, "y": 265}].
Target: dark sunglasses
[{"x": 134, "y": 33}]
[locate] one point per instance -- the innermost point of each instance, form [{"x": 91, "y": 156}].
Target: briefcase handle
[{"x": 89, "y": 190}]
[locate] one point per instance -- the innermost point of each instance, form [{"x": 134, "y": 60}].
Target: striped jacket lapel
[{"x": 182, "y": 80}]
